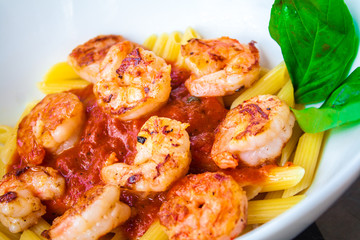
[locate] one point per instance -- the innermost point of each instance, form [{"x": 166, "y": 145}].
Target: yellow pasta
[
  {"x": 61, "y": 77},
  {"x": 155, "y": 231},
  {"x": 274, "y": 194},
  {"x": 262, "y": 211},
  {"x": 306, "y": 155},
  {"x": 5, "y": 132},
  {"x": 29, "y": 235},
  {"x": 61, "y": 85},
  {"x": 189, "y": 33},
  {"x": 150, "y": 42},
  {"x": 280, "y": 178},
  {"x": 5, "y": 231},
  {"x": 3, "y": 236},
  {"x": 160, "y": 44},
  {"x": 268, "y": 84},
  {"x": 290, "y": 145},
  {"x": 172, "y": 48},
  {"x": 287, "y": 93},
  {"x": 41, "y": 226}
]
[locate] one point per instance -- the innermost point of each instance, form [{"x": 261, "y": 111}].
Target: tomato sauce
[{"x": 103, "y": 135}]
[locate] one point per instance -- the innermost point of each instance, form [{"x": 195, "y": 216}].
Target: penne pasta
[
  {"x": 155, "y": 231},
  {"x": 172, "y": 47},
  {"x": 274, "y": 194},
  {"x": 262, "y": 211},
  {"x": 29, "y": 235},
  {"x": 150, "y": 42},
  {"x": 160, "y": 44},
  {"x": 286, "y": 93},
  {"x": 5, "y": 132},
  {"x": 41, "y": 226},
  {"x": 189, "y": 33},
  {"x": 280, "y": 178},
  {"x": 60, "y": 71},
  {"x": 61, "y": 77},
  {"x": 306, "y": 155},
  {"x": 61, "y": 85},
  {"x": 290, "y": 145},
  {"x": 3, "y": 236},
  {"x": 9, "y": 235},
  {"x": 270, "y": 83}
]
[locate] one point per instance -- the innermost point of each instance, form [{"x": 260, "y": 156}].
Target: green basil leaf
[
  {"x": 318, "y": 43},
  {"x": 342, "y": 106}
]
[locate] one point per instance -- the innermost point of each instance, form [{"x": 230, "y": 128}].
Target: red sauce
[{"x": 103, "y": 135}]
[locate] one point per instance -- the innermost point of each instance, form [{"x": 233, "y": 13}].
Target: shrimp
[
  {"x": 53, "y": 125},
  {"x": 220, "y": 66},
  {"x": 133, "y": 82},
  {"x": 96, "y": 213},
  {"x": 21, "y": 192},
  {"x": 86, "y": 58},
  {"x": 204, "y": 206},
  {"x": 253, "y": 133},
  {"x": 163, "y": 156}
]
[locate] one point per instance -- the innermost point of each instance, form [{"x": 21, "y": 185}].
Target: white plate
[{"x": 34, "y": 35}]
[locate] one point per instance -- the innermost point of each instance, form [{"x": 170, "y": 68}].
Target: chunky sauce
[{"x": 103, "y": 135}]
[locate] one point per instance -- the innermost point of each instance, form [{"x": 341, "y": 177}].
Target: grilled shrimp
[
  {"x": 204, "y": 206},
  {"x": 253, "y": 133},
  {"x": 163, "y": 156},
  {"x": 94, "y": 215},
  {"x": 53, "y": 125},
  {"x": 21, "y": 194},
  {"x": 220, "y": 66},
  {"x": 133, "y": 82},
  {"x": 86, "y": 58}
]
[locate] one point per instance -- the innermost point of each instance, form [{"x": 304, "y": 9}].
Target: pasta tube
[
  {"x": 150, "y": 42},
  {"x": 287, "y": 93},
  {"x": 306, "y": 155},
  {"x": 41, "y": 226},
  {"x": 172, "y": 48},
  {"x": 270, "y": 83},
  {"x": 160, "y": 44},
  {"x": 3, "y": 236},
  {"x": 290, "y": 145},
  {"x": 7, "y": 234},
  {"x": 189, "y": 33},
  {"x": 61, "y": 77},
  {"x": 262, "y": 211},
  {"x": 280, "y": 178},
  {"x": 156, "y": 231},
  {"x": 273, "y": 195},
  {"x": 29, "y": 235}
]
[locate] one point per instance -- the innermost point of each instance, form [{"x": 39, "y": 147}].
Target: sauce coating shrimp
[
  {"x": 53, "y": 125},
  {"x": 253, "y": 133},
  {"x": 96, "y": 213},
  {"x": 21, "y": 192},
  {"x": 163, "y": 156},
  {"x": 220, "y": 66},
  {"x": 133, "y": 82},
  {"x": 204, "y": 206},
  {"x": 86, "y": 58}
]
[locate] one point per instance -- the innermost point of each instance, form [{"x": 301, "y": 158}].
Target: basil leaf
[
  {"x": 318, "y": 43},
  {"x": 342, "y": 106}
]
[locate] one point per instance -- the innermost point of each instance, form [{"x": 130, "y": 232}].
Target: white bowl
[{"x": 37, "y": 34}]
